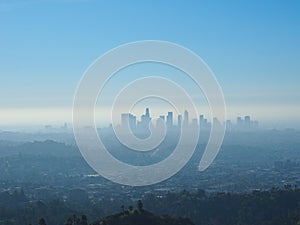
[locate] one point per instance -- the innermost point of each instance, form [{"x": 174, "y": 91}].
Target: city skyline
[
  {"x": 242, "y": 123},
  {"x": 252, "y": 47}
]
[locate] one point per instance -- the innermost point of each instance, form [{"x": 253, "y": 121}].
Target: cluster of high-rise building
[
  {"x": 242, "y": 123},
  {"x": 169, "y": 120},
  {"x": 143, "y": 123}
]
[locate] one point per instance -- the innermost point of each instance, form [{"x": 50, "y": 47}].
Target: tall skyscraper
[
  {"x": 202, "y": 123},
  {"x": 143, "y": 125},
  {"x": 147, "y": 114},
  {"x": 170, "y": 119},
  {"x": 145, "y": 119},
  {"x": 239, "y": 122},
  {"x": 247, "y": 122},
  {"x": 186, "y": 118},
  {"x": 228, "y": 124},
  {"x": 179, "y": 120}
]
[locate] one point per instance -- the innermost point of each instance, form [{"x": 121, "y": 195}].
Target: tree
[
  {"x": 140, "y": 206},
  {"x": 69, "y": 221},
  {"x": 83, "y": 220},
  {"x": 42, "y": 221}
]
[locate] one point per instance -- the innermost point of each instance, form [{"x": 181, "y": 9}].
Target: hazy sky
[{"x": 253, "y": 47}]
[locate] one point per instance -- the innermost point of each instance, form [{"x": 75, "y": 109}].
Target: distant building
[
  {"x": 186, "y": 118},
  {"x": 254, "y": 124},
  {"x": 194, "y": 123},
  {"x": 128, "y": 118},
  {"x": 203, "y": 122},
  {"x": 160, "y": 122},
  {"x": 170, "y": 119},
  {"x": 179, "y": 120},
  {"x": 145, "y": 120},
  {"x": 239, "y": 122},
  {"x": 147, "y": 114},
  {"x": 242, "y": 123},
  {"x": 247, "y": 122}
]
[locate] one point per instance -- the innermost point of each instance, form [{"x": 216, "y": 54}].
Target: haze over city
[{"x": 252, "y": 48}]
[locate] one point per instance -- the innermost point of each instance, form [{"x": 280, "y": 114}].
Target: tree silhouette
[
  {"x": 69, "y": 221},
  {"x": 42, "y": 221},
  {"x": 123, "y": 208},
  {"x": 140, "y": 206},
  {"x": 83, "y": 220}
]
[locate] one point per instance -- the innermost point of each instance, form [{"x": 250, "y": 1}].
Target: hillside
[{"x": 141, "y": 217}]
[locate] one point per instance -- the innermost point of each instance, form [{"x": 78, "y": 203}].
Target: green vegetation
[
  {"x": 273, "y": 207},
  {"x": 140, "y": 217}
]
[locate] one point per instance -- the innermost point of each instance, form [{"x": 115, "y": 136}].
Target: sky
[{"x": 253, "y": 48}]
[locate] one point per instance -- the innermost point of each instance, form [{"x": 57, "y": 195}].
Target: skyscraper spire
[
  {"x": 147, "y": 113},
  {"x": 186, "y": 118}
]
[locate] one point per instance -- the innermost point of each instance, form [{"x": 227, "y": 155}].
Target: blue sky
[{"x": 253, "y": 47}]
